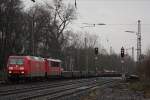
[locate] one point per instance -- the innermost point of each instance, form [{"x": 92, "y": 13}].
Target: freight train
[{"x": 31, "y": 67}]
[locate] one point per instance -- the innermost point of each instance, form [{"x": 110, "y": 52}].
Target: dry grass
[
  {"x": 91, "y": 96},
  {"x": 142, "y": 86}
]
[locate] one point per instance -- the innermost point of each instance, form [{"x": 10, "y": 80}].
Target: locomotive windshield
[{"x": 17, "y": 61}]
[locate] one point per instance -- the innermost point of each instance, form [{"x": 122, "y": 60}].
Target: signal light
[
  {"x": 122, "y": 52},
  {"x": 33, "y": 0},
  {"x": 96, "y": 51},
  {"x": 22, "y": 72}
]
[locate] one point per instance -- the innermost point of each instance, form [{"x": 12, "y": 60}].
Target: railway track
[
  {"x": 53, "y": 91},
  {"x": 8, "y": 94},
  {"x": 26, "y": 88},
  {"x": 73, "y": 92},
  {"x": 57, "y": 91},
  {"x": 11, "y": 87}
]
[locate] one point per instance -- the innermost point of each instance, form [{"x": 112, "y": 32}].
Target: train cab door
[{"x": 46, "y": 67}]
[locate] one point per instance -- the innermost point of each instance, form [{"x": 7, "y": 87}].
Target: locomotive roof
[
  {"x": 16, "y": 56},
  {"x": 36, "y": 58},
  {"x": 30, "y": 57},
  {"x": 56, "y": 60}
]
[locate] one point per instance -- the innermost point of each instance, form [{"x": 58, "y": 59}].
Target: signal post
[
  {"x": 122, "y": 63},
  {"x": 96, "y": 58}
]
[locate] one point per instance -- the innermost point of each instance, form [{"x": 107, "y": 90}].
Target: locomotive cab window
[
  {"x": 55, "y": 64},
  {"x": 17, "y": 61}
]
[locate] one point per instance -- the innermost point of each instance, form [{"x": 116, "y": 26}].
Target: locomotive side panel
[
  {"x": 37, "y": 67},
  {"x": 53, "y": 67}
]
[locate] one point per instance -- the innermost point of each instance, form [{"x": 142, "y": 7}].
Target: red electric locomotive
[{"x": 25, "y": 67}]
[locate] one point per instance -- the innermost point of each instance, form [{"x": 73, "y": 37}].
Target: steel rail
[
  {"x": 31, "y": 90},
  {"x": 76, "y": 91},
  {"x": 56, "y": 91},
  {"x": 37, "y": 87}
]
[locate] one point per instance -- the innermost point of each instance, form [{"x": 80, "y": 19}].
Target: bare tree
[
  {"x": 10, "y": 27},
  {"x": 61, "y": 17},
  {"x": 143, "y": 67},
  {"x": 76, "y": 50},
  {"x": 37, "y": 28},
  {"x": 46, "y": 28}
]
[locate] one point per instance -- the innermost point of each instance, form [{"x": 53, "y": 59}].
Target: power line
[
  {"x": 121, "y": 24},
  {"x": 127, "y": 24}
]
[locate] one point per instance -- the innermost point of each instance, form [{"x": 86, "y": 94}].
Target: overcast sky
[{"x": 119, "y": 16}]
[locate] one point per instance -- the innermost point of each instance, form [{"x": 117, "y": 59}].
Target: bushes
[
  {"x": 2, "y": 75},
  {"x": 144, "y": 67}
]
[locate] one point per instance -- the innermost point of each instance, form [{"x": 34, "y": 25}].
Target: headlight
[
  {"x": 22, "y": 72},
  {"x": 21, "y": 68},
  {"x": 10, "y": 68},
  {"x": 10, "y": 72}
]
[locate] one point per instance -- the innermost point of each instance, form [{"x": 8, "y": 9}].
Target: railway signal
[
  {"x": 33, "y": 0},
  {"x": 96, "y": 51},
  {"x": 122, "y": 52},
  {"x": 75, "y": 4},
  {"x": 122, "y": 63}
]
